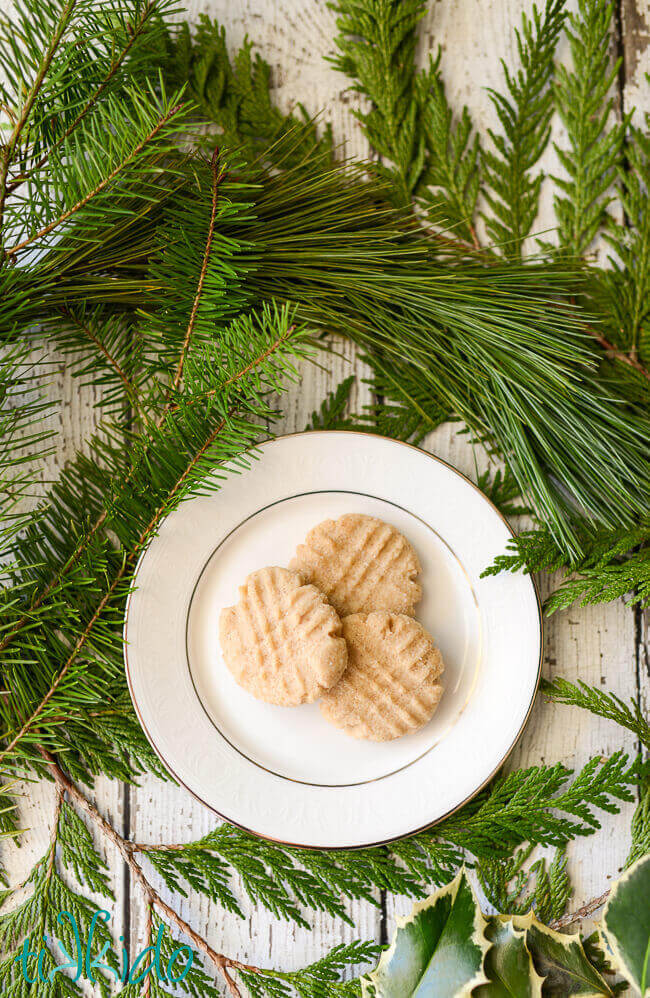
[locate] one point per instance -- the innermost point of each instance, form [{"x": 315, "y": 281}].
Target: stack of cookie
[{"x": 338, "y": 625}]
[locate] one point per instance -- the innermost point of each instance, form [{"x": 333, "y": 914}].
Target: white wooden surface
[{"x": 605, "y": 646}]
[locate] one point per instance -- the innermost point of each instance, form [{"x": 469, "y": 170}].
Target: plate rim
[{"x": 427, "y": 825}]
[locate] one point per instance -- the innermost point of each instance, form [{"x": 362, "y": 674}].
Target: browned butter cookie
[
  {"x": 282, "y": 641},
  {"x": 361, "y": 564},
  {"x": 391, "y": 685}
]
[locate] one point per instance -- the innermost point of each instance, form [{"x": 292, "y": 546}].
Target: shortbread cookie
[
  {"x": 391, "y": 685},
  {"x": 282, "y": 641},
  {"x": 361, "y": 564}
]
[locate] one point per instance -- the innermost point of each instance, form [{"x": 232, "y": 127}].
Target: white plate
[{"x": 285, "y": 773}]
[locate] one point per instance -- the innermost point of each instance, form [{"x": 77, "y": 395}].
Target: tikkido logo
[{"x": 33, "y": 962}]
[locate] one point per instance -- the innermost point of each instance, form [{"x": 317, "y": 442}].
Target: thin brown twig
[
  {"x": 96, "y": 190},
  {"x": 587, "y": 910},
  {"x": 217, "y": 177},
  {"x": 151, "y": 897},
  {"x": 620, "y": 355},
  {"x": 85, "y": 328},
  {"x": 94, "y": 98}
]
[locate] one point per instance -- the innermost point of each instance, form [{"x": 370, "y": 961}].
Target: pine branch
[
  {"x": 376, "y": 43},
  {"x": 601, "y": 703},
  {"x": 202, "y": 427},
  {"x": 586, "y": 107},
  {"x": 524, "y": 113},
  {"x": 217, "y": 176},
  {"x": 20, "y": 120}
]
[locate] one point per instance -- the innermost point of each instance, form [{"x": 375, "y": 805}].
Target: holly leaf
[
  {"x": 561, "y": 961},
  {"x": 508, "y": 964},
  {"x": 625, "y": 924},
  {"x": 437, "y": 951}
]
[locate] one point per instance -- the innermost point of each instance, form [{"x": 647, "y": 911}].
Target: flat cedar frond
[
  {"x": 623, "y": 291},
  {"x": 39, "y": 917},
  {"x": 594, "y": 147},
  {"x": 452, "y": 175},
  {"x": 524, "y": 113},
  {"x": 321, "y": 979},
  {"x": 539, "y": 805},
  {"x": 640, "y": 845},
  {"x": 376, "y": 42},
  {"x": 332, "y": 413},
  {"x": 603, "y": 704}
]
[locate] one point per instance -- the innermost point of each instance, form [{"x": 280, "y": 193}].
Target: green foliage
[
  {"x": 452, "y": 175},
  {"x": 524, "y": 113},
  {"x": 332, "y": 413},
  {"x": 539, "y": 805},
  {"x": 626, "y": 925},
  {"x": 319, "y": 980},
  {"x": 236, "y": 94},
  {"x": 640, "y": 845},
  {"x": 622, "y": 293},
  {"x": 614, "y": 564},
  {"x": 376, "y": 43},
  {"x": 441, "y": 945},
  {"x": 552, "y": 887},
  {"x": 54, "y": 886},
  {"x": 603, "y": 704},
  {"x": 502, "y": 488},
  {"x": 585, "y": 105},
  {"x": 508, "y": 965}
]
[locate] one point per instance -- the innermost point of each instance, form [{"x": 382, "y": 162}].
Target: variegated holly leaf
[
  {"x": 508, "y": 964},
  {"x": 562, "y": 961},
  {"x": 626, "y": 924},
  {"x": 437, "y": 951}
]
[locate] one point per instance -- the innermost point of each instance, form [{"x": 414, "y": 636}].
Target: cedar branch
[{"x": 126, "y": 849}]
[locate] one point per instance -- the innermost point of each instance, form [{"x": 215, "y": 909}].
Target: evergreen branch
[
  {"x": 585, "y": 911},
  {"x": 622, "y": 292},
  {"x": 169, "y": 117},
  {"x": 524, "y": 114},
  {"x": 332, "y": 413},
  {"x": 217, "y": 176},
  {"x": 235, "y": 94},
  {"x": 601, "y": 703},
  {"x": 586, "y": 106},
  {"x": 134, "y": 31},
  {"x": 452, "y": 173},
  {"x": 640, "y": 829},
  {"x": 377, "y": 41},
  {"x": 28, "y": 103},
  {"x": 89, "y": 334},
  {"x": 105, "y": 600}
]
